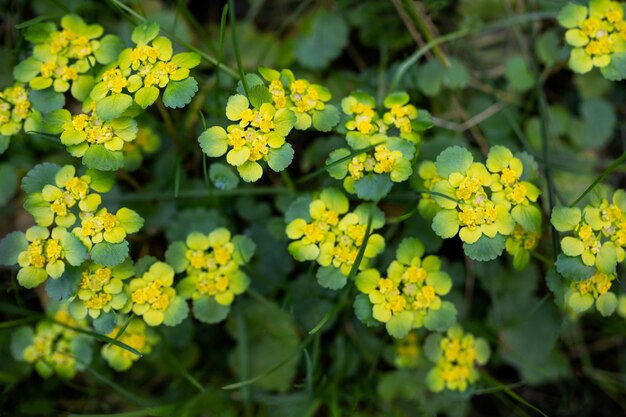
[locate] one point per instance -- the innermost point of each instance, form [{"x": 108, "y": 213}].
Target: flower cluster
[
  {"x": 70, "y": 226},
  {"x": 143, "y": 71},
  {"x": 55, "y": 202},
  {"x": 407, "y": 351},
  {"x": 327, "y": 232},
  {"x": 381, "y": 149},
  {"x": 410, "y": 296},
  {"x": 455, "y": 357},
  {"x": 135, "y": 335},
  {"x": 258, "y": 135},
  {"x": 63, "y": 58},
  {"x": 53, "y": 348},
  {"x": 308, "y": 101},
  {"x": 212, "y": 266},
  {"x": 596, "y": 33},
  {"x": 484, "y": 202},
  {"x": 154, "y": 297},
  {"x": 15, "y": 110},
  {"x": 101, "y": 290},
  {"x": 593, "y": 250},
  {"x": 99, "y": 143}
]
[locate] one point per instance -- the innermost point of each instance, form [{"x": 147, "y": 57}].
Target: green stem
[
  {"x": 233, "y": 34},
  {"x": 616, "y": 164}
]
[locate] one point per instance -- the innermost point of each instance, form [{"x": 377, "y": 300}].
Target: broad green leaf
[
  {"x": 146, "y": 96},
  {"x": 223, "y": 177},
  {"x": 11, "y": 246},
  {"x": 517, "y": 74},
  {"x": 178, "y": 94},
  {"x": 400, "y": 325},
  {"x": 214, "y": 141},
  {"x": 175, "y": 256},
  {"x": 332, "y": 278},
  {"x": 145, "y": 32},
  {"x": 453, "y": 159},
  {"x": 485, "y": 248},
  {"x": 21, "y": 338},
  {"x": 105, "y": 323},
  {"x": 109, "y": 254},
  {"x": 573, "y": 268},
  {"x": 113, "y": 106},
  {"x": 323, "y": 42},
  {"x": 8, "y": 174},
  {"x": 176, "y": 312},
  {"x": 46, "y": 100},
  {"x": 606, "y": 304},
  {"x": 440, "y": 320},
  {"x": 98, "y": 157},
  {"x": 279, "y": 159},
  {"x": 259, "y": 94},
  {"x": 64, "y": 287},
  {"x": 207, "y": 310},
  {"x": 616, "y": 70},
  {"x": 325, "y": 120},
  {"x": 363, "y": 311},
  {"x": 373, "y": 187},
  {"x": 565, "y": 219},
  {"x": 244, "y": 249}
]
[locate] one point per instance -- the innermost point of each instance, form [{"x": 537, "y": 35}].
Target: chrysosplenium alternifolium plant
[
  {"x": 592, "y": 250},
  {"x": 597, "y": 34},
  {"x": 79, "y": 246}
]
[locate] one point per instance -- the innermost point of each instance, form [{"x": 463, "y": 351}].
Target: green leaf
[
  {"x": 175, "y": 256},
  {"x": 250, "y": 171},
  {"x": 178, "y": 94},
  {"x": 64, "y": 287},
  {"x": 517, "y": 74},
  {"x": 109, "y": 254},
  {"x": 485, "y": 248},
  {"x": 432, "y": 347},
  {"x": 176, "y": 312},
  {"x": 597, "y": 125},
  {"x": 606, "y": 304},
  {"x": 325, "y": 120},
  {"x": 573, "y": 268},
  {"x": 99, "y": 157},
  {"x": 146, "y": 96},
  {"x": 400, "y": 325},
  {"x": 207, "y": 310},
  {"x": 30, "y": 277},
  {"x": 565, "y": 219},
  {"x": 267, "y": 345},
  {"x": 259, "y": 94},
  {"x": 46, "y": 100},
  {"x": 27, "y": 70},
  {"x": 446, "y": 223},
  {"x": 363, "y": 310},
  {"x": 529, "y": 217},
  {"x": 81, "y": 88},
  {"x": 4, "y": 143},
  {"x": 616, "y": 70},
  {"x": 223, "y": 177},
  {"x": 572, "y": 15},
  {"x": 441, "y": 320},
  {"x": 105, "y": 323},
  {"x": 373, "y": 187},
  {"x": 101, "y": 181},
  {"x": 430, "y": 77},
  {"x": 145, "y": 32},
  {"x": 113, "y": 106},
  {"x": 299, "y": 209},
  {"x": 547, "y": 47},
  {"x": 456, "y": 76},
  {"x": 186, "y": 59},
  {"x": 214, "y": 141},
  {"x": 279, "y": 159},
  {"x": 75, "y": 251},
  {"x": 323, "y": 42},
  {"x": 579, "y": 302},
  {"x": 53, "y": 122},
  {"x": 11, "y": 246},
  {"x": 244, "y": 249},
  {"x": 453, "y": 159},
  {"x": 606, "y": 259},
  {"x": 331, "y": 278},
  {"x": 110, "y": 48}
]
